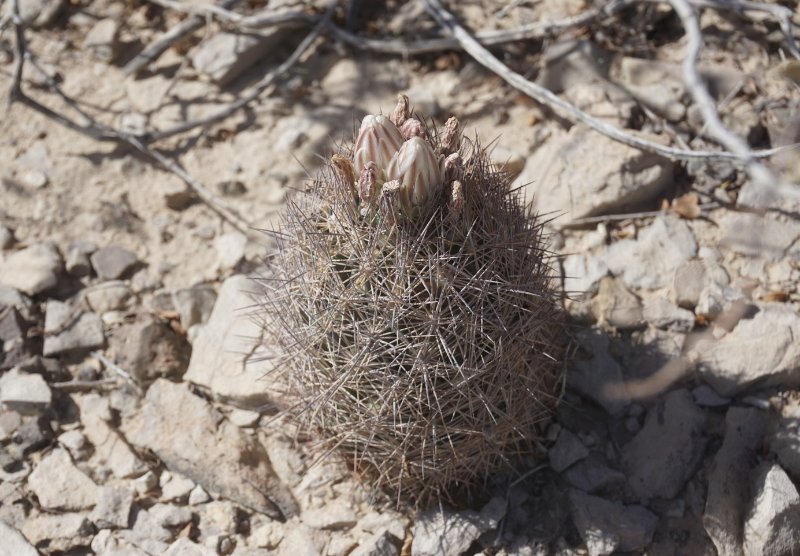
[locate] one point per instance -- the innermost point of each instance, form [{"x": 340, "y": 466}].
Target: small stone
[
  {"x": 67, "y": 330},
  {"x": 75, "y": 442},
  {"x": 773, "y": 520},
  {"x": 688, "y": 283},
  {"x": 25, "y": 393},
  {"x": 582, "y": 272},
  {"x": 704, "y": 396},
  {"x": 146, "y": 484},
  {"x": 232, "y": 188},
  {"x": 177, "y": 195},
  {"x": 650, "y": 261},
  {"x": 32, "y": 270},
  {"x": 243, "y": 418},
  {"x": 34, "y": 178},
  {"x": 113, "y": 262},
  {"x": 12, "y": 325},
  {"x": 102, "y": 40},
  {"x": 77, "y": 259},
  {"x": 567, "y": 450},
  {"x": 379, "y": 544},
  {"x": 666, "y": 452},
  {"x": 194, "y": 305},
  {"x": 593, "y": 474},
  {"x": 111, "y": 452},
  {"x": 661, "y": 313},
  {"x": 59, "y": 485},
  {"x": 759, "y": 236},
  {"x": 386, "y": 520},
  {"x": 230, "y": 250},
  {"x": 728, "y": 478},
  {"x": 507, "y": 160},
  {"x": 217, "y": 518},
  {"x": 9, "y": 423},
  {"x": 62, "y": 531},
  {"x": 616, "y": 305},
  {"x": 608, "y": 526},
  {"x": 6, "y": 237},
  {"x": 335, "y": 515},
  {"x": 198, "y": 496},
  {"x": 177, "y": 488},
  {"x": 762, "y": 349},
  {"x": 443, "y": 532},
  {"x": 185, "y": 547},
  {"x": 113, "y": 295},
  {"x": 14, "y": 544},
  {"x": 600, "y": 378},
  {"x": 265, "y": 533},
  {"x": 113, "y": 508}
]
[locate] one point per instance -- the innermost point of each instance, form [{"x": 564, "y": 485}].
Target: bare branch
[{"x": 564, "y": 108}]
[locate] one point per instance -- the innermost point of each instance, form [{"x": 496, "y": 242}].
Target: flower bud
[
  {"x": 448, "y": 140},
  {"x": 401, "y": 111},
  {"x": 378, "y": 140},
  {"x": 368, "y": 182},
  {"x": 417, "y": 169},
  {"x": 412, "y": 127}
]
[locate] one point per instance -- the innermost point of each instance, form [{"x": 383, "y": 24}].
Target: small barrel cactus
[{"x": 415, "y": 312}]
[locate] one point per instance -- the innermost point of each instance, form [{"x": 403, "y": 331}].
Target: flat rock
[
  {"x": 113, "y": 262},
  {"x": 62, "y": 531},
  {"x": 194, "y": 439},
  {"x": 600, "y": 378},
  {"x": 32, "y": 270},
  {"x": 567, "y": 450},
  {"x": 580, "y": 173},
  {"x": 70, "y": 330},
  {"x": 785, "y": 442},
  {"x": 177, "y": 487},
  {"x": 194, "y": 305},
  {"x": 444, "y": 532},
  {"x": 225, "y": 56},
  {"x": 760, "y": 350},
  {"x": 616, "y": 305},
  {"x": 592, "y": 474},
  {"x": 111, "y": 452},
  {"x": 14, "y": 543},
  {"x": 661, "y": 313},
  {"x": 224, "y": 359},
  {"x": 582, "y": 272},
  {"x": 759, "y": 236},
  {"x": 102, "y": 40},
  {"x": 608, "y": 526},
  {"x": 773, "y": 520},
  {"x": 113, "y": 508},
  {"x": 333, "y": 516},
  {"x": 23, "y": 392},
  {"x": 650, "y": 261},
  {"x": 148, "y": 348},
  {"x": 113, "y": 295},
  {"x": 729, "y": 476},
  {"x": 666, "y": 452},
  {"x": 59, "y": 485},
  {"x": 688, "y": 283}
]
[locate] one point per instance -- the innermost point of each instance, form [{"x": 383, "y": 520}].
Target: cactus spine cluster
[{"x": 415, "y": 311}]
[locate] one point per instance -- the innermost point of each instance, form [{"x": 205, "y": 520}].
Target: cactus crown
[{"x": 416, "y": 311}]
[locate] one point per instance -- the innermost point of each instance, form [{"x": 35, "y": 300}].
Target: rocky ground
[{"x": 135, "y": 415}]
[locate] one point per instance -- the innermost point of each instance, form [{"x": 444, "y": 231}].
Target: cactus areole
[{"x": 414, "y": 312}]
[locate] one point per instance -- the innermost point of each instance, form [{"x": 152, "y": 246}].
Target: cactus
[{"x": 415, "y": 312}]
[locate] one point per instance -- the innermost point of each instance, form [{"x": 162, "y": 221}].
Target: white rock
[
  {"x": 661, "y": 313},
  {"x": 579, "y": 174},
  {"x": 177, "y": 487},
  {"x": 582, "y": 272},
  {"x": 614, "y": 304},
  {"x": 335, "y": 515},
  {"x": 218, "y": 362},
  {"x": 230, "y": 250},
  {"x": 68, "y": 329},
  {"x": 688, "y": 283},
  {"x": 443, "y": 532},
  {"x": 25, "y": 393},
  {"x": 762, "y": 349},
  {"x": 32, "y": 270},
  {"x": 194, "y": 304},
  {"x": 113, "y": 508},
  {"x": 59, "y": 485},
  {"x": 75, "y": 442},
  {"x": 111, "y": 452},
  {"x": 760, "y": 236},
  {"x": 243, "y": 418},
  {"x": 102, "y": 40},
  {"x": 379, "y": 544},
  {"x": 108, "y": 296},
  {"x": 62, "y": 531},
  {"x": 198, "y": 496},
  {"x": 185, "y": 547},
  {"x": 14, "y": 544},
  {"x": 773, "y": 521},
  {"x": 650, "y": 261},
  {"x": 609, "y": 526}
]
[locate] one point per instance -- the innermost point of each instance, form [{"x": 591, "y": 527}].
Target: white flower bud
[
  {"x": 412, "y": 127},
  {"x": 417, "y": 169},
  {"x": 378, "y": 140}
]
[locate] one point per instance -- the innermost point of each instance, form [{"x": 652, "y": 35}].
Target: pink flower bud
[
  {"x": 412, "y": 127},
  {"x": 417, "y": 169},
  {"x": 378, "y": 140}
]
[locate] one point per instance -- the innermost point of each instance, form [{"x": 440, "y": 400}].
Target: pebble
[
  {"x": 230, "y": 250},
  {"x": 149, "y": 348},
  {"x": 582, "y": 272},
  {"x": 567, "y": 450},
  {"x": 75, "y": 442},
  {"x": 177, "y": 195},
  {"x": 176, "y": 488},
  {"x": 669, "y": 448},
  {"x": 68, "y": 330},
  {"x": 198, "y": 496},
  {"x": 113, "y": 508},
  {"x": 335, "y": 515},
  {"x": 661, "y": 313},
  {"x": 35, "y": 179},
  {"x": 243, "y": 418},
  {"x": 14, "y": 543},
  {"x": 759, "y": 236},
  {"x": 216, "y": 519},
  {"x": 592, "y": 474},
  {"x": 25, "y": 393},
  {"x": 728, "y": 479},
  {"x": 216, "y": 363},
  {"x": 113, "y": 262},
  {"x": 762, "y": 349},
  {"x": 32, "y": 270},
  {"x": 704, "y": 396},
  {"x": 600, "y": 378},
  {"x": 146, "y": 484},
  {"x": 6, "y": 237},
  {"x": 616, "y": 305},
  {"x": 9, "y": 423},
  {"x": 39, "y": 13},
  {"x": 379, "y": 544},
  {"x": 185, "y": 547},
  {"x": 607, "y": 526},
  {"x": 194, "y": 305},
  {"x": 688, "y": 283},
  {"x": 107, "y": 296},
  {"x": 578, "y": 174},
  {"x": 444, "y": 532},
  {"x": 773, "y": 520},
  {"x": 658, "y": 251},
  {"x": 198, "y": 443},
  {"x": 102, "y": 40},
  {"x": 77, "y": 260},
  {"x": 59, "y": 485},
  {"x": 62, "y": 531},
  {"x": 111, "y": 452}
]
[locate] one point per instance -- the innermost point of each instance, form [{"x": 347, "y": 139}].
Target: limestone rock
[
  {"x": 616, "y": 305},
  {"x": 25, "y": 393},
  {"x": 59, "y": 485},
  {"x": 443, "y": 532},
  {"x": 32, "y": 270},
  {"x": 113, "y": 262},
  {"x": 580, "y": 173},
  {"x": 194, "y": 439},
  {"x": 608, "y": 526},
  {"x": 14, "y": 544},
  {"x": 70, "y": 330},
  {"x": 773, "y": 521}
]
